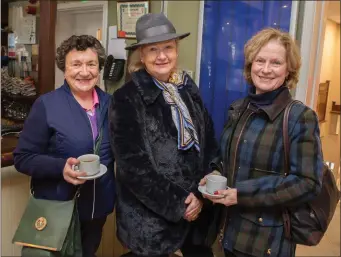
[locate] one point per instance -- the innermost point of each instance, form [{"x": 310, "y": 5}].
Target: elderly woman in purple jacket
[{"x": 64, "y": 124}]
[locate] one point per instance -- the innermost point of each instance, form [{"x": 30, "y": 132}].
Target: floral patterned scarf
[{"x": 187, "y": 136}]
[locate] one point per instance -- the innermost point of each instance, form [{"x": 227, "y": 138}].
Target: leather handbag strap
[
  {"x": 286, "y": 140},
  {"x": 99, "y": 142},
  {"x": 286, "y": 143}
]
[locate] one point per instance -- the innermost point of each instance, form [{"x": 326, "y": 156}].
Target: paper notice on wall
[
  {"x": 27, "y": 30},
  {"x": 112, "y": 32},
  {"x": 116, "y": 48}
]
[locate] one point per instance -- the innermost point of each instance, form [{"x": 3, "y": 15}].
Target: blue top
[{"x": 58, "y": 128}]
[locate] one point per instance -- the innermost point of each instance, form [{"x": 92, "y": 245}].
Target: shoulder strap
[
  {"x": 286, "y": 141},
  {"x": 98, "y": 142}
]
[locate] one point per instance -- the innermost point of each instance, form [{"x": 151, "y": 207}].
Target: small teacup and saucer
[
  {"x": 213, "y": 183},
  {"x": 90, "y": 164}
]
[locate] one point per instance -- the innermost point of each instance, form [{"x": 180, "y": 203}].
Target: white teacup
[
  {"x": 215, "y": 183},
  {"x": 89, "y": 163}
]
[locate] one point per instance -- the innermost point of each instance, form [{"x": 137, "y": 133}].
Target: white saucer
[
  {"x": 202, "y": 189},
  {"x": 103, "y": 170}
]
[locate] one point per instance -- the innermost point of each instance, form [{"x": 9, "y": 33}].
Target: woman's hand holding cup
[
  {"x": 230, "y": 197},
  {"x": 217, "y": 185},
  {"x": 70, "y": 175}
]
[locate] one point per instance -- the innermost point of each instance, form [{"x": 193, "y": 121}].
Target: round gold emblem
[{"x": 40, "y": 223}]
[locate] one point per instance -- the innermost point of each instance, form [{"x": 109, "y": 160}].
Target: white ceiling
[{"x": 333, "y": 12}]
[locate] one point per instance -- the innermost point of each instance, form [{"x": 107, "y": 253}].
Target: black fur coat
[{"x": 153, "y": 177}]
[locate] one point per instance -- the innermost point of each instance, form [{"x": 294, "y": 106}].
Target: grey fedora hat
[{"x": 153, "y": 28}]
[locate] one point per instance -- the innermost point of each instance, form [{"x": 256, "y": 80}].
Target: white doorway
[{"x": 81, "y": 18}]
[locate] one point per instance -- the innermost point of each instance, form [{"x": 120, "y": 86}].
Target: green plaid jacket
[{"x": 252, "y": 157}]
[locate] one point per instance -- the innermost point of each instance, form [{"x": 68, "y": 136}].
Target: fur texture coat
[{"x": 153, "y": 177}]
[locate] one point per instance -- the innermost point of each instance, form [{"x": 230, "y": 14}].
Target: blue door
[{"x": 226, "y": 28}]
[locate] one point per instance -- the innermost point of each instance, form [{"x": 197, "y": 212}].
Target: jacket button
[
  {"x": 268, "y": 251},
  {"x": 260, "y": 220}
]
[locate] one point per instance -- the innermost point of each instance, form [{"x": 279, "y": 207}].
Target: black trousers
[
  {"x": 91, "y": 234},
  {"x": 187, "y": 250}
]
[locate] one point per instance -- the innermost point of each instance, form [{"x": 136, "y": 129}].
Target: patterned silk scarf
[{"x": 187, "y": 136}]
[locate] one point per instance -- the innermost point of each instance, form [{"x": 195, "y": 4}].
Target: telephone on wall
[{"x": 113, "y": 69}]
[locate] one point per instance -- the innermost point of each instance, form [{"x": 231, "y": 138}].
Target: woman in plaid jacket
[{"x": 252, "y": 155}]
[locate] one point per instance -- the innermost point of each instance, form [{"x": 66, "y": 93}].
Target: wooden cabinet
[
  {"x": 322, "y": 100},
  {"x": 110, "y": 245}
]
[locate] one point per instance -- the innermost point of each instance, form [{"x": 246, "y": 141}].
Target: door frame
[
  {"x": 312, "y": 30},
  {"x": 199, "y": 41},
  {"x": 72, "y": 6},
  {"x": 86, "y": 7}
]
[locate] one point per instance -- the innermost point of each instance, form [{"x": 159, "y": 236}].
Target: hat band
[{"x": 155, "y": 31}]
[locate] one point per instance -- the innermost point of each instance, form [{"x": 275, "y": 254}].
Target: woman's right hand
[
  {"x": 70, "y": 175},
  {"x": 204, "y": 179}
]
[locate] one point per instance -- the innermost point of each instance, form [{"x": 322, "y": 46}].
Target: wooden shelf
[{"x": 19, "y": 98}]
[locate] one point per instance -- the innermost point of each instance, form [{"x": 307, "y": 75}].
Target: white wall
[
  {"x": 88, "y": 23},
  {"x": 330, "y": 70},
  {"x": 330, "y": 66},
  {"x": 72, "y": 23}
]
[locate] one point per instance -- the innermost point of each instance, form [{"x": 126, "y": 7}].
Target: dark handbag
[
  {"x": 49, "y": 229},
  {"x": 306, "y": 224}
]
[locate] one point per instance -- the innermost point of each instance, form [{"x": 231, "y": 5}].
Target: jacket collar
[
  {"x": 145, "y": 86},
  {"x": 272, "y": 110},
  {"x": 103, "y": 101},
  {"x": 278, "y": 105},
  {"x": 101, "y": 95}
]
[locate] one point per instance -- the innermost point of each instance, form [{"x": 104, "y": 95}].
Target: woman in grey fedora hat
[{"x": 163, "y": 139}]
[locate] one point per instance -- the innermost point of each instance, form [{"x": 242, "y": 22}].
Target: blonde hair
[
  {"x": 134, "y": 60},
  {"x": 293, "y": 58}
]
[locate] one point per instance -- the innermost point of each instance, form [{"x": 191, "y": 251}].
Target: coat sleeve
[
  {"x": 136, "y": 168},
  {"x": 31, "y": 154},
  {"x": 306, "y": 167}
]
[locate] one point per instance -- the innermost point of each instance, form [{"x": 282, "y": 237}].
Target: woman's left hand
[
  {"x": 230, "y": 197},
  {"x": 194, "y": 207}
]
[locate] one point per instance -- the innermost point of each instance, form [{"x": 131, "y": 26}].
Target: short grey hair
[{"x": 80, "y": 43}]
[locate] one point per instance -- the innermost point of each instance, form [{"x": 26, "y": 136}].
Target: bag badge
[{"x": 40, "y": 223}]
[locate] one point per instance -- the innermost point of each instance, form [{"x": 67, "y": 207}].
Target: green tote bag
[{"x": 49, "y": 228}]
